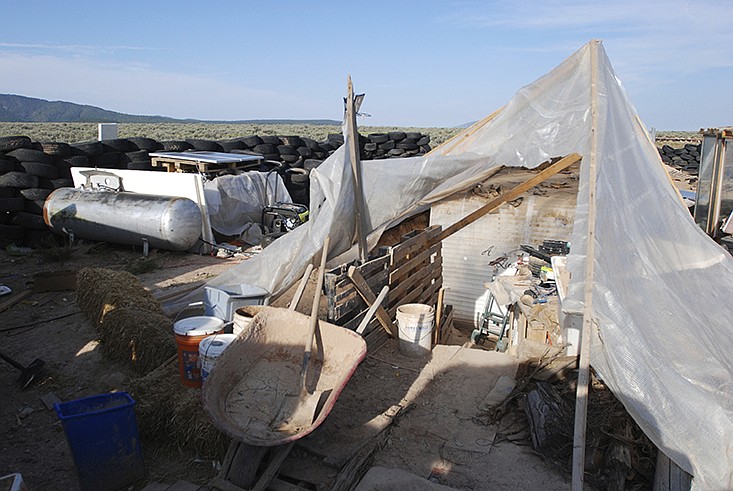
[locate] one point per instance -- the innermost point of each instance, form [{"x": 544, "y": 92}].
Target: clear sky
[{"x": 421, "y": 63}]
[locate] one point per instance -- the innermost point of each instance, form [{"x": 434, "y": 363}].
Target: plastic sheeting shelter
[{"x": 662, "y": 337}]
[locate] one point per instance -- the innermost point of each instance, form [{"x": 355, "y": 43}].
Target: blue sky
[{"x": 420, "y": 63}]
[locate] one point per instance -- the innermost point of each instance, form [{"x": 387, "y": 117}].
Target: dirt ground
[{"x": 50, "y": 327}]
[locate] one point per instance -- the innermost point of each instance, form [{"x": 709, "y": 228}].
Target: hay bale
[
  {"x": 170, "y": 414},
  {"x": 140, "y": 339},
  {"x": 100, "y": 291}
]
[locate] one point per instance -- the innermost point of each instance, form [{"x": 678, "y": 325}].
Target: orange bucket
[{"x": 188, "y": 333}]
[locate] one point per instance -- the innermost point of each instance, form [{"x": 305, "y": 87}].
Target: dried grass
[
  {"x": 171, "y": 414},
  {"x": 102, "y": 290}
]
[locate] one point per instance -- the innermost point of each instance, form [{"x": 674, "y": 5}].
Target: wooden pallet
[
  {"x": 413, "y": 270},
  {"x": 175, "y": 165}
]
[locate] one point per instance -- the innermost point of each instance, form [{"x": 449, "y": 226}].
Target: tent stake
[
  {"x": 513, "y": 193},
  {"x": 581, "y": 396},
  {"x": 361, "y": 227}
]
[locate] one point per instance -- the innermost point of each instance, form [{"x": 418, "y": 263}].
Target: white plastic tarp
[
  {"x": 660, "y": 294},
  {"x": 236, "y": 201}
]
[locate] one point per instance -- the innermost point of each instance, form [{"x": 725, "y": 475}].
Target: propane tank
[{"x": 125, "y": 218}]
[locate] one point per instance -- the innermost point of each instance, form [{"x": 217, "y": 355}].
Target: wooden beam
[
  {"x": 513, "y": 193},
  {"x": 353, "y": 137},
  {"x": 581, "y": 396},
  {"x": 15, "y": 298},
  {"x": 368, "y": 295}
]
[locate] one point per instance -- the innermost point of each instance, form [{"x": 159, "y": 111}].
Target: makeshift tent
[{"x": 663, "y": 337}]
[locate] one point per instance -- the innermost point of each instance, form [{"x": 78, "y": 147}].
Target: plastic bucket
[
  {"x": 241, "y": 322},
  {"x": 188, "y": 333},
  {"x": 415, "y": 323},
  {"x": 104, "y": 441},
  {"x": 209, "y": 350}
]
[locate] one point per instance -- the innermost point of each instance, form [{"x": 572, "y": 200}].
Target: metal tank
[{"x": 125, "y": 218}]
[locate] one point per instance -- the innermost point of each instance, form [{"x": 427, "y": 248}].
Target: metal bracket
[
  {"x": 97, "y": 180},
  {"x": 146, "y": 247}
]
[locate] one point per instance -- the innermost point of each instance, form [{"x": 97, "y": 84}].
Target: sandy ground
[{"x": 441, "y": 436}]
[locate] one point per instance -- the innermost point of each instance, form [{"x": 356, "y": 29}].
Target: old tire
[
  {"x": 30, "y": 221},
  {"x": 19, "y": 180},
  {"x": 40, "y": 169}
]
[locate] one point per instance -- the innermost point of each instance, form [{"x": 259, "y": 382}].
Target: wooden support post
[
  {"x": 368, "y": 295},
  {"x": 581, "y": 397},
  {"x": 450, "y": 145},
  {"x": 353, "y": 137},
  {"x": 513, "y": 193}
]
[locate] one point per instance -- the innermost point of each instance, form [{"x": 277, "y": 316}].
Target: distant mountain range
[{"x": 21, "y": 109}]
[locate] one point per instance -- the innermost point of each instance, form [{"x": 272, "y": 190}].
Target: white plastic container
[
  {"x": 415, "y": 323},
  {"x": 223, "y": 301},
  {"x": 210, "y": 349}
]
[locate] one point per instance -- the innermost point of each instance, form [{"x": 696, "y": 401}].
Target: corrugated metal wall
[{"x": 465, "y": 269}]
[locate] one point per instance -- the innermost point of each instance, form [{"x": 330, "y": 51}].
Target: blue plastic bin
[{"x": 103, "y": 438}]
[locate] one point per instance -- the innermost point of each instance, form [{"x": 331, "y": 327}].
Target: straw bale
[
  {"x": 103, "y": 290},
  {"x": 140, "y": 339},
  {"x": 170, "y": 414}
]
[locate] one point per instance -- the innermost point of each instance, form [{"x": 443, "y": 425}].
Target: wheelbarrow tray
[{"x": 254, "y": 379}]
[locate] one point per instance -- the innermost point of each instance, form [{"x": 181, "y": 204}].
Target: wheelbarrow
[{"x": 267, "y": 390}]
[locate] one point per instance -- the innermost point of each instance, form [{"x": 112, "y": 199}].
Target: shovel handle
[
  {"x": 314, "y": 308},
  {"x": 12, "y": 362},
  {"x": 301, "y": 287}
]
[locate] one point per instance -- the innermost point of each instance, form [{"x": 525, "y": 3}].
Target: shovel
[
  {"x": 304, "y": 404},
  {"x": 27, "y": 374}
]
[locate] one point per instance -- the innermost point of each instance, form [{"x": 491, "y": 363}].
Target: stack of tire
[
  {"x": 686, "y": 158},
  {"x": 29, "y": 172}
]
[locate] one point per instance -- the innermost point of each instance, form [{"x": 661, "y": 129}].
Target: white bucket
[
  {"x": 415, "y": 323},
  {"x": 241, "y": 322},
  {"x": 210, "y": 349}
]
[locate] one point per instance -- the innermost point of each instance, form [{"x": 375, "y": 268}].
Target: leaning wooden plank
[
  {"x": 369, "y": 297},
  {"x": 513, "y": 193},
  {"x": 16, "y": 298},
  {"x": 581, "y": 397},
  {"x": 449, "y": 145},
  {"x": 273, "y": 467}
]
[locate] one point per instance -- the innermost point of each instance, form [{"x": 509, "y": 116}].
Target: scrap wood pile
[
  {"x": 540, "y": 412},
  {"x": 135, "y": 333}
]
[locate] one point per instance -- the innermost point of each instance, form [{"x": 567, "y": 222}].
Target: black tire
[
  {"x": 310, "y": 164},
  {"x": 406, "y": 146},
  {"x": 310, "y": 143},
  {"x": 413, "y": 135},
  {"x": 139, "y": 156},
  {"x": 10, "y": 143},
  {"x": 424, "y": 140},
  {"x": 305, "y": 152},
  {"x": 287, "y": 150},
  {"x": 205, "y": 145},
  {"x": 298, "y": 176},
  {"x": 252, "y": 141},
  {"x": 147, "y": 144},
  {"x": 291, "y": 159},
  {"x": 7, "y": 165},
  {"x": 294, "y": 141},
  {"x": 11, "y": 233},
  {"x": 121, "y": 145},
  {"x": 378, "y": 137},
  {"x": 38, "y": 239},
  {"x": 326, "y": 147},
  {"x": 60, "y": 149},
  {"x": 107, "y": 160},
  {"x": 77, "y": 161},
  {"x": 176, "y": 146},
  {"x": 265, "y": 148},
  {"x": 30, "y": 155},
  {"x": 62, "y": 183},
  {"x": 6, "y": 192},
  {"x": 388, "y": 145},
  {"x": 271, "y": 140},
  {"x": 395, "y": 152},
  {"x": 137, "y": 165},
  {"x": 34, "y": 207},
  {"x": 12, "y": 204},
  {"x": 35, "y": 193},
  {"x": 88, "y": 148},
  {"x": 233, "y": 144},
  {"x": 19, "y": 180},
  {"x": 40, "y": 169},
  {"x": 30, "y": 221},
  {"x": 370, "y": 147},
  {"x": 397, "y": 135}
]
